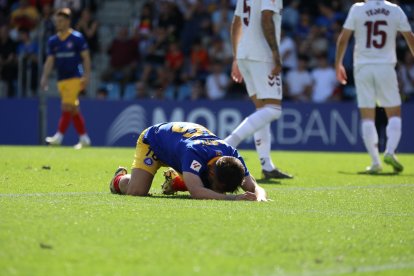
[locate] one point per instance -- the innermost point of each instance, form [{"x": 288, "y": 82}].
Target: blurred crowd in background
[{"x": 181, "y": 50}]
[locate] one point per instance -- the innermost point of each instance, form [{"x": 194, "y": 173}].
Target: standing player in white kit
[
  {"x": 375, "y": 24},
  {"x": 255, "y": 36}
]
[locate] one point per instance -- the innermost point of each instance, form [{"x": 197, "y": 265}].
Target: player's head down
[{"x": 229, "y": 174}]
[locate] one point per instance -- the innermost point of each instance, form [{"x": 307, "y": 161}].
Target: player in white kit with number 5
[
  {"x": 375, "y": 25},
  {"x": 255, "y": 36}
]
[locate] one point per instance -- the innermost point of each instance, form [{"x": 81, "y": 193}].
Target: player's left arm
[
  {"x": 198, "y": 191},
  {"x": 86, "y": 62},
  {"x": 341, "y": 45},
  {"x": 47, "y": 68},
  {"x": 268, "y": 28},
  {"x": 250, "y": 185}
]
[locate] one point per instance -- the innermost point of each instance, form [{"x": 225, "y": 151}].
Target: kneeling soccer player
[{"x": 210, "y": 168}]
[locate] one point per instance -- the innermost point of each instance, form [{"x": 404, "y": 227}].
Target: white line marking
[
  {"x": 333, "y": 188},
  {"x": 350, "y": 269},
  {"x": 54, "y": 194},
  {"x": 323, "y": 188}
]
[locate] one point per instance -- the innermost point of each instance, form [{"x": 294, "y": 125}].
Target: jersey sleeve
[
  {"x": 350, "y": 22},
  {"x": 239, "y": 8},
  {"x": 192, "y": 163},
  {"x": 272, "y": 5},
  {"x": 404, "y": 25},
  {"x": 82, "y": 44}
]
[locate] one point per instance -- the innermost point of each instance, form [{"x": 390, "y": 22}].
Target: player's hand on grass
[
  {"x": 247, "y": 196},
  {"x": 341, "y": 74},
  {"x": 260, "y": 194},
  {"x": 235, "y": 72}
]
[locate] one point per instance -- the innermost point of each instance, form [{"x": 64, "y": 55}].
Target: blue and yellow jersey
[
  {"x": 67, "y": 52},
  {"x": 187, "y": 147}
]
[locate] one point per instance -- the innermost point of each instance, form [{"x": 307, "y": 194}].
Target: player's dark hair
[
  {"x": 64, "y": 12},
  {"x": 229, "y": 173}
]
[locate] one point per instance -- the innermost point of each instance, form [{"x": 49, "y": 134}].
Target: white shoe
[
  {"x": 84, "y": 141},
  {"x": 373, "y": 169},
  {"x": 55, "y": 139}
]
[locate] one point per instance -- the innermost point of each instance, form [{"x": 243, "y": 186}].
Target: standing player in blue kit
[{"x": 69, "y": 51}]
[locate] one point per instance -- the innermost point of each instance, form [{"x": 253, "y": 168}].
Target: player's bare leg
[
  {"x": 138, "y": 183},
  {"x": 370, "y": 138},
  {"x": 393, "y": 137}
]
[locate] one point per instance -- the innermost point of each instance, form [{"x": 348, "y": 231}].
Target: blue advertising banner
[
  {"x": 303, "y": 126},
  {"x": 19, "y": 122}
]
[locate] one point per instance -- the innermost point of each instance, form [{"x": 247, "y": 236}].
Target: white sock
[
  {"x": 262, "y": 141},
  {"x": 370, "y": 137},
  {"x": 393, "y": 134},
  {"x": 254, "y": 122},
  {"x": 85, "y": 138}
]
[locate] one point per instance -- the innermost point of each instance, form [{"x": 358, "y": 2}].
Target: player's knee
[
  {"x": 394, "y": 124},
  {"x": 138, "y": 187},
  {"x": 136, "y": 190},
  {"x": 273, "y": 112}
]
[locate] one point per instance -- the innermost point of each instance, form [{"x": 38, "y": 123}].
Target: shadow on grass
[
  {"x": 373, "y": 174},
  {"x": 268, "y": 181},
  {"x": 170, "y": 196}
]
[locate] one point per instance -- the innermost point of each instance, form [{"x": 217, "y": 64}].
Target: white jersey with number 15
[
  {"x": 375, "y": 25},
  {"x": 252, "y": 44}
]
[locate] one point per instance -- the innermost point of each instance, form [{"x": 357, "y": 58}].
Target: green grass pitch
[{"x": 57, "y": 217}]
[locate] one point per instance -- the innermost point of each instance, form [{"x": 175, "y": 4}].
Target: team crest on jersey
[
  {"x": 219, "y": 153},
  {"x": 148, "y": 161},
  {"x": 69, "y": 45},
  {"x": 195, "y": 165}
]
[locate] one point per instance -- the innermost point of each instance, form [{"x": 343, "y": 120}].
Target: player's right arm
[
  {"x": 47, "y": 68},
  {"x": 198, "y": 191},
  {"x": 250, "y": 185},
  {"x": 409, "y": 38},
  {"x": 86, "y": 62},
  {"x": 341, "y": 45},
  {"x": 236, "y": 31}
]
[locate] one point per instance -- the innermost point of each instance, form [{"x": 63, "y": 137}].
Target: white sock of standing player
[
  {"x": 254, "y": 122},
  {"x": 393, "y": 134},
  {"x": 370, "y": 138},
  {"x": 262, "y": 141}
]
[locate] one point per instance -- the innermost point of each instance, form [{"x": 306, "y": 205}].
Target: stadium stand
[{"x": 311, "y": 28}]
